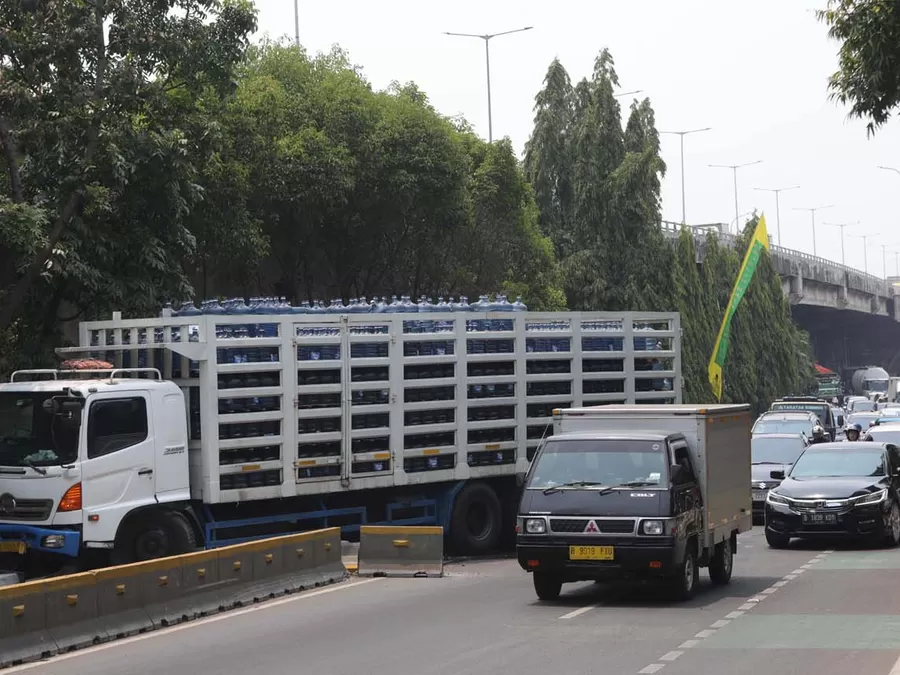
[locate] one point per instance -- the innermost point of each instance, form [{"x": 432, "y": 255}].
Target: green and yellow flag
[{"x": 759, "y": 242}]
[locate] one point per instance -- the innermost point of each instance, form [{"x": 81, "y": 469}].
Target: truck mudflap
[
  {"x": 628, "y": 560},
  {"x": 45, "y": 539}
]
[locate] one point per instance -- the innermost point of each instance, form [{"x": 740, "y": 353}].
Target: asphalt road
[{"x": 808, "y": 610}]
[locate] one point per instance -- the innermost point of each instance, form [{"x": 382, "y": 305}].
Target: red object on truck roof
[
  {"x": 822, "y": 370},
  {"x": 87, "y": 364}
]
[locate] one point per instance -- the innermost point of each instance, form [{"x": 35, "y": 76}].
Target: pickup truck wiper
[
  {"x": 31, "y": 465},
  {"x": 630, "y": 484},
  {"x": 575, "y": 483}
]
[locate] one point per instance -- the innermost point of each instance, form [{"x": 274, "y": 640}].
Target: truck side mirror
[
  {"x": 676, "y": 471},
  {"x": 777, "y": 475}
]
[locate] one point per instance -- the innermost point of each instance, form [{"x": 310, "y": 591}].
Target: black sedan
[{"x": 837, "y": 489}]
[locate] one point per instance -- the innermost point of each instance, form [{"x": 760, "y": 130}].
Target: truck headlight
[
  {"x": 535, "y": 526},
  {"x": 874, "y": 498},
  {"x": 653, "y": 527},
  {"x": 53, "y": 541}
]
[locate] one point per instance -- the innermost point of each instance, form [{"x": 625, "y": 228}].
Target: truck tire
[
  {"x": 684, "y": 583},
  {"x": 722, "y": 563},
  {"x": 476, "y": 520},
  {"x": 157, "y": 534},
  {"x": 546, "y": 585},
  {"x": 775, "y": 540}
]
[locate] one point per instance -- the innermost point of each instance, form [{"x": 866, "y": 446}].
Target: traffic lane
[
  {"x": 838, "y": 613},
  {"x": 482, "y": 618}
]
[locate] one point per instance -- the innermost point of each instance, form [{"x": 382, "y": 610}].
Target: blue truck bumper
[{"x": 33, "y": 538}]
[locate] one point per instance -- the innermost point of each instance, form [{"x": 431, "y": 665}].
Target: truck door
[
  {"x": 687, "y": 499},
  {"x": 118, "y": 462}
]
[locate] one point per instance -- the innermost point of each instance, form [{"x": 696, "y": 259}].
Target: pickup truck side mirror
[
  {"x": 676, "y": 472},
  {"x": 777, "y": 475}
]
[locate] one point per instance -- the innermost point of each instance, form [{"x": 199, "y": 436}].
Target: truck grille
[
  {"x": 576, "y": 525},
  {"x": 29, "y": 509}
]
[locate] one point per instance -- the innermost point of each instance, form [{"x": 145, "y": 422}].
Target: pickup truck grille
[
  {"x": 577, "y": 525},
  {"x": 28, "y": 509}
]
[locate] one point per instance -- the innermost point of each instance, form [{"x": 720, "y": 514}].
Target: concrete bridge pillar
[{"x": 796, "y": 288}]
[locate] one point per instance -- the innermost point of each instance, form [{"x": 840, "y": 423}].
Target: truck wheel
[
  {"x": 157, "y": 535},
  {"x": 546, "y": 585},
  {"x": 476, "y": 520},
  {"x": 722, "y": 563},
  {"x": 684, "y": 583},
  {"x": 775, "y": 540}
]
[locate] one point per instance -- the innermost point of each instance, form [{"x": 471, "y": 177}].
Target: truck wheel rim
[
  {"x": 689, "y": 573},
  {"x": 727, "y": 561}
]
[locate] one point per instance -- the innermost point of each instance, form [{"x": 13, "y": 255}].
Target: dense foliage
[
  {"x": 597, "y": 183},
  {"x": 167, "y": 158},
  {"x": 868, "y": 75}
]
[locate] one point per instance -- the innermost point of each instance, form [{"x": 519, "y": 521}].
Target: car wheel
[
  {"x": 776, "y": 540},
  {"x": 892, "y": 533}
]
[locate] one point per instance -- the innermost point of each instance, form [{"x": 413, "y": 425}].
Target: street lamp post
[
  {"x": 681, "y": 135},
  {"x": 487, "y": 59},
  {"x": 734, "y": 168},
  {"x": 777, "y": 191},
  {"x": 842, "y": 226},
  {"x": 865, "y": 238},
  {"x": 812, "y": 212},
  {"x": 297, "y": 23},
  {"x": 629, "y": 93}
]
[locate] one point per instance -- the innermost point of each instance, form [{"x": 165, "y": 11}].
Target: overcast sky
[{"x": 756, "y": 72}]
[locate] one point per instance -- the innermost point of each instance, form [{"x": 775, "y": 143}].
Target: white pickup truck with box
[{"x": 637, "y": 491}]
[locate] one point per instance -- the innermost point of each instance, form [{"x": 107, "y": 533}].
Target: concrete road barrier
[
  {"x": 48, "y": 616},
  {"x": 389, "y": 551}
]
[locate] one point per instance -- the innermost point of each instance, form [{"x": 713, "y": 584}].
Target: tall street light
[
  {"x": 487, "y": 59},
  {"x": 628, "y": 93},
  {"x": 842, "y": 226},
  {"x": 865, "y": 238},
  {"x": 812, "y": 212},
  {"x": 889, "y": 168},
  {"x": 734, "y": 168},
  {"x": 777, "y": 191},
  {"x": 681, "y": 135}
]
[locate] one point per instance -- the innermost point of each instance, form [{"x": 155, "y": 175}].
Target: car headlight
[
  {"x": 653, "y": 527},
  {"x": 535, "y": 526},
  {"x": 874, "y": 498},
  {"x": 775, "y": 498}
]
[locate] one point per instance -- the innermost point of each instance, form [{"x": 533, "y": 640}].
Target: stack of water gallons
[{"x": 403, "y": 304}]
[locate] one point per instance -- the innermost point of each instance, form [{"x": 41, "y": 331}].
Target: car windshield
[
  {"x": 820, "y": 410},
  {"x": 862, "y": 406},
  {"x": 775, "y": 450},
  {"x": 889, "y": 434},
  {"x": 30, "y": 436},
  {"x": 599, "y": 462},
  {"x": 774, "y": 425},
  {"x": 837, "y": 463},
  {"x": 864, "y": 419}
]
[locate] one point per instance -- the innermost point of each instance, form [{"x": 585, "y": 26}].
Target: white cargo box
[
  {"x": 718, "y": 436},
  {"x": 298, "y": 404}
]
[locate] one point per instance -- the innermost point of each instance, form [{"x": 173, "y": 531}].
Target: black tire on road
[
  {"x": 476, "y": 521},
  {"x": 546, "y": 585},
  {"x": 722, "y": 563},
  {"x": 776, "y": 540},
  {"x": 156, "y": 535},
  {"x": 685, "y": 581},
  {"x": 892, "y": 533}
]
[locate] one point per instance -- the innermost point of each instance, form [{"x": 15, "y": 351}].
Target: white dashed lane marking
[
  {"x": 748, "y": 605},
  {"x": 578, "y": 612}
]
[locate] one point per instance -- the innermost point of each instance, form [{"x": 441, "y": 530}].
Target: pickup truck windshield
[
  {"x": 601, "y": 462},
  {"x": 29, "y": 436}
]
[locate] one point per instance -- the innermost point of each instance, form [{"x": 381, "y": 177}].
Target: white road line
[
  {"x": 705, "y": 633},
  {"x": 224, "y": 616},
  {"x": 746, "y": 606},
  {"x": 721, "y": 623},
  {"x": 688, "y": 644},
  {"x": 578, "y": 612},
  {"x": 734, "y": 615},
  {"x": 779, "y": 584},
  {"x": 652, "y": 668},
  {"x": 790, "y": 577},
  {"x": 831, "y": 550},
  {"x": 895, "y": 670},
  {"x": 770, "y": 590},
  {"x": 671, "y": 656},
  {"x": 799, "y": 570}
]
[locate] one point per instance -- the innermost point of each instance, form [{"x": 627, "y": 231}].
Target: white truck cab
[{"x": 92, "y": 464}]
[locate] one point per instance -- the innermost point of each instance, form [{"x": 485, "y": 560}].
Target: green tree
[{"x": 868, "y": 75}]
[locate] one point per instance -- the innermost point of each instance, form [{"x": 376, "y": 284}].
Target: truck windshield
[
  {"x": 601, "y": 462},
  {"x": 29, "y": 436},
  {"x": 875, "y": 385},
  {"x": 776, "y": 450},
  {"x": 820, "y": 410}
]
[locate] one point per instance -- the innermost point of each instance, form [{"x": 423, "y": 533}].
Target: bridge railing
[{"x": 876, "y": 284}]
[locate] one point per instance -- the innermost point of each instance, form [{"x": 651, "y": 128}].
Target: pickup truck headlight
[
  {"x": 652, "y": 527},
  {"x": 874, "y": 498},
  {"x": 774, "y": 498},
  {"x": 535, "y": 526}
]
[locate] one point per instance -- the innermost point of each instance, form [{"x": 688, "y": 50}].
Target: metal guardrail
[{"x": 881, "y": 287}]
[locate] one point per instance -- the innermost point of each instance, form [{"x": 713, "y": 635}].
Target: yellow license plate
[
  {"x": 13, "y": 547},
  {"x": 591, "y": 553}
]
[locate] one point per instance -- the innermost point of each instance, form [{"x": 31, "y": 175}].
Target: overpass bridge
[{"x": 853, "y": 318}]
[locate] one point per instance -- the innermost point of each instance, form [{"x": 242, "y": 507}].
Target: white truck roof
[
  {"x": 653, "y": 410},
  {"x": 118, "y": 380}
]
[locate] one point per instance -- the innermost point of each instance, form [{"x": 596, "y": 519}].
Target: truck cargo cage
[{"x": 290, "y": 404}]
